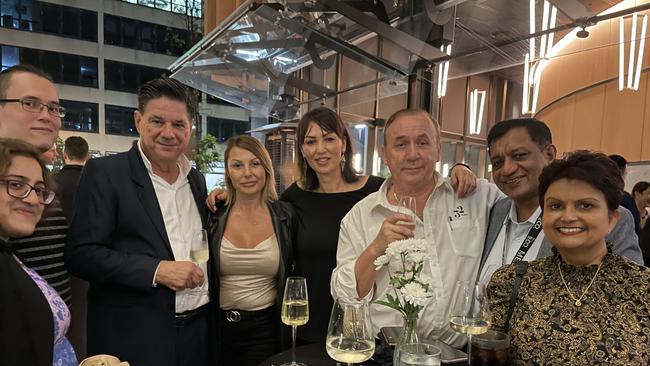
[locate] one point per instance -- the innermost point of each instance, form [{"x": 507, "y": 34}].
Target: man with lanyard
[{"x": 519, "y": 150}]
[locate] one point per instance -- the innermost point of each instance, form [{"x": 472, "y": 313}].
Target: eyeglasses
[
  {"x": 18, "y": 189},
  {"x": 35, "y": 106}
]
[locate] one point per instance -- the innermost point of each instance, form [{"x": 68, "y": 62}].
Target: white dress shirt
[
  {"x": 516, "y": 233},
  {"x": 455, "y": 229},
  {"x": 182, "y": 224}
]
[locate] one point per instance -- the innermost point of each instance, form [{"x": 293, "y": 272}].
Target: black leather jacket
[{"x": 284, "y": 225}]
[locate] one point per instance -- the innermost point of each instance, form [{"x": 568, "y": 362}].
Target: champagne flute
[
  {"x": 407, "y": 206},
  {"x": 349, "y": 335},
  {"x": 199, "y": 248},
  {"x": 295, "y": 311},
  {"x": 199, "y": 254},
  {"x": 470, "y": 313}
]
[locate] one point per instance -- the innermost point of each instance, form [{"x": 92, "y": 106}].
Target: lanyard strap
[{"x": 526, "y": 244}]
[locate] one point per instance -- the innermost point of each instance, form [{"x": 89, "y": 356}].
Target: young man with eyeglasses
[{"x": 30, "y": 111}]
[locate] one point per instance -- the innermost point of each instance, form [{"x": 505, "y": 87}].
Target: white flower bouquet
[{"x": 405, "y": 260}]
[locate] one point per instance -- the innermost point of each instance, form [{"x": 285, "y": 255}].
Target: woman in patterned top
[
  {"x": 34, "y": 319},
  {"x": 584, "y": 305}
]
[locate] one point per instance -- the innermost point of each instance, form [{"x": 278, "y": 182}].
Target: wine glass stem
[
  {"x": 293, "y": 344},
  {"x": 469, "y": 349}
]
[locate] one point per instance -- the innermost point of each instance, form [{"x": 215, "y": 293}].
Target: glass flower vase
[{"x": 409, "y": 335}]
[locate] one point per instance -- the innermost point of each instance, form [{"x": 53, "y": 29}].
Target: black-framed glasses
[
  {"x": 18, "y": 189},
  {"x": 36, "y": 106}
]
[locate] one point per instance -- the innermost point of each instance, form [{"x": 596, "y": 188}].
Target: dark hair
[
  {"x": 5, "y": 76},
  {"x": 76, "y": 147},
  {"x": 640, "y": 187},
  {"x": 537, "y": 130},
  {"x": 328, "y": 121},
  {"x": 10, "y": 148},
  {"x": 585, "y": 165},
  {"x": 410, "y": 112},
  {"x": 256, "y": 148},
  {"x": 620, "y": 161},
  {"x": 168, "y": 88}
]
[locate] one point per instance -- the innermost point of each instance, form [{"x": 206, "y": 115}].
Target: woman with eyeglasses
[{"x": 34, "y": 319}]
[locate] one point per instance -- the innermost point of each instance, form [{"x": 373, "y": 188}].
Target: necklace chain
[{"x": 578, "y": 302}]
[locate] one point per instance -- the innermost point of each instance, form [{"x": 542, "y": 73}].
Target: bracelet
[{"x": 463, "y": 164}]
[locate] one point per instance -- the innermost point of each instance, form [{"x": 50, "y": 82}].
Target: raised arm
[{"x": 354, "y": 275}]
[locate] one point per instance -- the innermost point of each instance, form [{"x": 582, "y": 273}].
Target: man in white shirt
[
  {"x": 519, "y": 150},
  {"x": 136, "y": 215},
  {"x": 453, "y": 227}
]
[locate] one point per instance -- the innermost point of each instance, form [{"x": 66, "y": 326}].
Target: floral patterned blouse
[
  {"x": 612, "y": 325},
  {"x": 63, "y": 353}
]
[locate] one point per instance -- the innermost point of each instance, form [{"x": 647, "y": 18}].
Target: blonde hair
[{"x": 251, "y": 144}]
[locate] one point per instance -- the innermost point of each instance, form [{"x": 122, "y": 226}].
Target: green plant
[{"x": 206, "y": 154}]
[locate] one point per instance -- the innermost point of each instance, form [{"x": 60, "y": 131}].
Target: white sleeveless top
[{"x": 248, "y": 276}]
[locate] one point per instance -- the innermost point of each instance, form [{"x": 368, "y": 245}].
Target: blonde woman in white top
[{"x": 253, "y": 247}]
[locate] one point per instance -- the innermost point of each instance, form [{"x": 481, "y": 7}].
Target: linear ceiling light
[
  {"x": 476, "y": 108},
  {"x": 533, "y": 62},
  {"x": 443, "y": 72},
  {"x": 633, "y": 70}
]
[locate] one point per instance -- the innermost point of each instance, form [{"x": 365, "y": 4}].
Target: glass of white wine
[
  {"x": 407, "y": 206},
  {"x": 199, "y": 252},
  {"x": 295, "y": 311},
  {"x": 349, "y": 335},
  {"x": 470, "y": 313}
]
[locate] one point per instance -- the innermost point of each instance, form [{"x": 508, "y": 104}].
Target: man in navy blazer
[
  {"x": 519, "y": 149},
  {"x": 136, "y": 215}
]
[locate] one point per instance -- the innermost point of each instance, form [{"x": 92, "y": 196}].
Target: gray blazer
[{"x": 622, "y": 239}]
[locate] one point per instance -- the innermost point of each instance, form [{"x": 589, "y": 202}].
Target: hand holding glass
[
  {"x": 295, "y": 311},
  {"x": 408, "y": 207},
  {"x": 349, "y": 335}
]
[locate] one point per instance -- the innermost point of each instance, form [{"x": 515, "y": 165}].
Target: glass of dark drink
[{"x": 491, "y": 348}]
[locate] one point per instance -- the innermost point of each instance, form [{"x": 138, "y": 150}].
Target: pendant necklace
[{"x": 578, "y": 301}]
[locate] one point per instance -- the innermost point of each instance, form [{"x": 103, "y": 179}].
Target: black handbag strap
[{"x": 520, "y": 270}]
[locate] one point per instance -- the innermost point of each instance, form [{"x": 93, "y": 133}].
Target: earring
[{"x": 342, "y": 162}]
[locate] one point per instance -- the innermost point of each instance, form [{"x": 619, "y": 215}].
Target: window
[
  {"x": 112, "y": 30},
  {"x": 70, "y": 22},
  {"x": 146, "y": 36},
  {"x": 64, "y": 68},
  {"x": 80, "y": 116},
  {"x": 10, "y": 56},
  {"x": 112, "y": 75},
  {"x": 125, "y": 77},
  {"x": 88, "y": 71},
  {"x": 89, "y": 25},
  {"x": 119, "y": 121},
  {"x": 132, "y": 33},
  {"x": 50, "y": 62},
  {"x": 191, "y": 7},
  {"x": 38, "y": 16},
  {"x": 129, "y": 33},
  {"x": 130, "y": 77},
  {"x": 223, "y": 129},
  {"x": 71, "y": 69}
]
